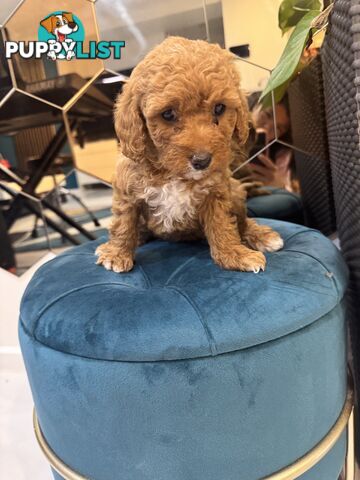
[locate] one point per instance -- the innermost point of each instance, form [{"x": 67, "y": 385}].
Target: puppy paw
[
  {"x": 241, "y": 258},
  {"x": 263, "y": 239},
  {"x": 113, "y": 259}
]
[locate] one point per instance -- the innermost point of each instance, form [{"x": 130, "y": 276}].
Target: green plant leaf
[
  {"x": 290, "y": 58},
  {"x": 292, "y": 11},
  {"x": 280, "y": 91}
]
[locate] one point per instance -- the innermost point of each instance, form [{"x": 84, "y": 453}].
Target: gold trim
[
  {"x": 310, "y": 459},
  {"x": 350, "y": 453},
  {"x": 62, "y": 469},
  {"x": 291, "y": 472}
]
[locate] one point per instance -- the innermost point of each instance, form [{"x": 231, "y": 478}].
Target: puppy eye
[
  {"x": 219, "y": 109},
  {"x": 169, "y": 115},
  {"x": 58, "y": 24}
]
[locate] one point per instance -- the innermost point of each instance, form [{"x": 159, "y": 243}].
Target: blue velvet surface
[
  {"x": 177, "y": 303},
  {"x": 280, "y": 205},
  {"x": 328, "y": 468},
  {"x": 180, "y": 370}
]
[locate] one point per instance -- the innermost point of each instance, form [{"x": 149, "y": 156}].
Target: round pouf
[
  {"x": 180, "y": 370},
  {"x": 280, "y": 205}
]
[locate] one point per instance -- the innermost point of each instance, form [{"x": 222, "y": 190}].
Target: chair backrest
[
  {"x": 309, "y": 133},
  {"x": 341, "y": 73}
]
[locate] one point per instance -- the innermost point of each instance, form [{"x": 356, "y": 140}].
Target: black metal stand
[
  {"x": 33, "y": 208},
  {"x": 29, "y": 188}
]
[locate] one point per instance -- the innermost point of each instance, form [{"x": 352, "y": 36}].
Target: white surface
[
  {"x": 20, "y": 456},
  {"x": 11, "y": 290}
]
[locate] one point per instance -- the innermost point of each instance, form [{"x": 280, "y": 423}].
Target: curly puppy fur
[{"x": 159, "y": 188}]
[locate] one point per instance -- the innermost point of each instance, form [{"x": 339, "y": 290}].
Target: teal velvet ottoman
[
  {"x": 279, "y": 205},
  {"x": 180, "y": 370}
]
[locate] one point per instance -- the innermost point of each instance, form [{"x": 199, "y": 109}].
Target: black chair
[{"x": 341, "y": 73}]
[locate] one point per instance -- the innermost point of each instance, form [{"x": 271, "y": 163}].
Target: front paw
[
  {"x": 240, "y": 258},
  {"x": 263, "y": 238},
  {"x": 112, "y": 258}
]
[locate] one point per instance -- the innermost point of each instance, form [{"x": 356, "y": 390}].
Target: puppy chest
[{"x": 171, "y": 205}]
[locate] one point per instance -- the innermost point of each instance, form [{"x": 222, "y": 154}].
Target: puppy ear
[
  {"x": 47, "y": 23},
  {"x": 69, "y": 16},
  {"x": 242, "y": 121},
  {"x": 129, "y": 123},
  {"x": 241, "y": 132}
]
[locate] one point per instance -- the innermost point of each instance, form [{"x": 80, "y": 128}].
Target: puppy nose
[
  {"x": 72, "y": 24},
  {"x": 201, "y": 160}
]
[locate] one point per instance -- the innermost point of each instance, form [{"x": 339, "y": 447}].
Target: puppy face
[
  {"x": 181, "y": 109},
  {"x": 60, "y": 25}
]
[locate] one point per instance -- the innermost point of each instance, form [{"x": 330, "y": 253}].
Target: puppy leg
[
  {"x": 118, "y": 253},
  {"x": 261, "y": 237},
  {"x": 220, "y": 227},
  {"x": 258, "y": 237}
]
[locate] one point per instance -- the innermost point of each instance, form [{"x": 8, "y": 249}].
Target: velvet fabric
[
  {"x": 181, "y": 370},
  {"x": 279, "y": 205}
]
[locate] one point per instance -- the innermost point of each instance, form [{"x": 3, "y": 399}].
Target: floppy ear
[
  {"x": 243, "y": 120},
  {"x": 69, "y": 16},
  {"x": 47, "y": 23},
  {"x": 129, "y": 123}
]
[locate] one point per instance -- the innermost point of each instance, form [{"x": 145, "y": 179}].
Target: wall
[{"x": 255, "y": 23}]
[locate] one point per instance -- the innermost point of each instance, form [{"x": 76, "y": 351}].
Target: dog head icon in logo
[{"x": 61, "y": 28}]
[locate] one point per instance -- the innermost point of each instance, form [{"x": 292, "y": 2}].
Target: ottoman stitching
[
  {"x": 332, "y": 278},
  {"x": 76, "y": 254},
  {"x": 210, "y": 338},
  {"x": 96, "y": 359},
  {"x": 303, "y": 231},
  {"x": 145, "y": 276},
  {"x": 180, "y": 267},
  {"x": 69, "y": 292}
]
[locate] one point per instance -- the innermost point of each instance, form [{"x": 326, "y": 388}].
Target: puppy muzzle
[{"x": 200, "y": 161}]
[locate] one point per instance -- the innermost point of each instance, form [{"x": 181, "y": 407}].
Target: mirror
[{"x": 54, "y": 81}]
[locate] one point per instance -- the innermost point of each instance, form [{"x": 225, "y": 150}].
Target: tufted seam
[
  {"x": 230, "y": 352},
  {"x": 145, "y": 276},
  {"x": 28, "y": 286},
  {"x": 332, "y": 278},
  {"x": 180, "y": 267},
  {"x": 69, "y": 292},
  {"x": 76, "y": 254},
  {"x": 92, "y": 254},
  {"x": 210, "y": 338},
  {"x": 303, "y": 231}
]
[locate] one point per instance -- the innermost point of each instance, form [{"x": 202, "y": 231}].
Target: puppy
[
  {"x": 60, "y": 26},
  {"x": 176, "y": 120}
]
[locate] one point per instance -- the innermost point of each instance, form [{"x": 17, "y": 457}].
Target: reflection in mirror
[
  {"x": 55, "y": 81},
  {"x": 94, "y": 137},
  {"x": 7, "y": 8},
  {"x": 5, "y": 78},
  {"x": 256, "y": 24},
  {"x": 274, "y": 168},
  {"x": 85, "y": 205},
  {"x": 18, "y": 252},
  {"x": 35, "y": 155},
  {"x": 33, "y": 139},
  {"x": 253, "y": 79},
  {"x": 143, "y": 25}
]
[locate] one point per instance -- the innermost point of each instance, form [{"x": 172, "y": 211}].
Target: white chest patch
[{"x": 171, "y": 203}]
